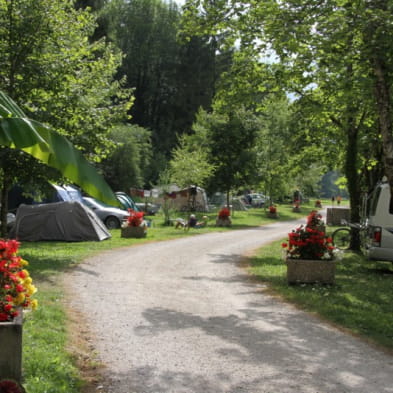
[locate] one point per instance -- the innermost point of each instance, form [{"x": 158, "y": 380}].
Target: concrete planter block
[
  {"x": 11, "y": 349},
  {"x": 136, "y": 232},
  {"x": 310, "y": 271},
  {"x": 223, "y": 222}
]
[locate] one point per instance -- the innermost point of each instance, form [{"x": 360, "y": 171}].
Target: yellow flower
[
  {"x": 23, "y": 262},
  {"x": 31, "y": 289},
  {"x": 28, "y": 281},
  {"x": 34, "y": 304},
  {"x": 19, "y": 299}
]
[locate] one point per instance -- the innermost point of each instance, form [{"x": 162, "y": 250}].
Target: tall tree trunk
[
  {"x": 352, "y": 175},
  {"x": 382, "y": 95},
  {"x": 5, "y": 187}
]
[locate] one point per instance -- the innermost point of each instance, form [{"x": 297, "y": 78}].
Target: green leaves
[{"x": 38, "y": 140}]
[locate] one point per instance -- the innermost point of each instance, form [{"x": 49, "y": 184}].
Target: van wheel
[
  {"x": 342, "y": 238},
  {"x": 112, "y": 222}
]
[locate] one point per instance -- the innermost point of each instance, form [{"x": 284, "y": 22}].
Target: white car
[
  {"x": 257, "y": 200},
  {"x": 111, "y": 216}
]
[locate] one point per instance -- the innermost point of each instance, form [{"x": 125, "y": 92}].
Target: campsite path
[{"x": 182, "y": 316}]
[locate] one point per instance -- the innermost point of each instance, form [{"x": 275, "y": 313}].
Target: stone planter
[
  {"x": 296, "y": 209},
  {"x": 223, "y": 222},
  {"x": 136, "y": 232},
  {"x": 272, "y": 215},
  {"x": 310, "y": 271},
  {"x": 11, "y": 349}
]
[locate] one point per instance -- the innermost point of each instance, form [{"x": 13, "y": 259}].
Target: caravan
[{"x": 380, "y": 223}]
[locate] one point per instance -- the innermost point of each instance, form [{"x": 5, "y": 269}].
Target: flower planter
[
  {"x": 136, "y": 232},
  {"x": 11, "y": 349},
  {"x": 272, "y": 215},
  {"x": 223, "y": 222},
  {"x": 310, "y": 271}
]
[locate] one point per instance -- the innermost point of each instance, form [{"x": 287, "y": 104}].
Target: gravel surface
[{"x": 182, "y": 316}]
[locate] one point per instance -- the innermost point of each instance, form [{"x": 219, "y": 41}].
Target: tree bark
[
  {"x": 382, "y": 95},
  {"x": 4, "y": 205}
]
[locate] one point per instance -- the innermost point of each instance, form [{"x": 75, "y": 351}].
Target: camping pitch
[{"x": 61, "y": 221}]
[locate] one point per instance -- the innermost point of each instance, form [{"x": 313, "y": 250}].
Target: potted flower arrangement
[
  {"x": 224, "y": 218},
  {"x": 16, "y": 291},
  {"x": 296, "y": 206},
  {"x": 135, "y": 226},
  {"x": 272, "y": 212},
  {"x": 310, "y": 255},
  {"x": 318, "y": 204}
]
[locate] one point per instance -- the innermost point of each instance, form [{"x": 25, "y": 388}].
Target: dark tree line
[{"x": 172, "y": 77}]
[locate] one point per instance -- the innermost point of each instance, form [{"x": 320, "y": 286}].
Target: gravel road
[{"x": 182, "y": 316}]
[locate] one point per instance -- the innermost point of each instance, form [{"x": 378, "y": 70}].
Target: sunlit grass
[{"x": 361, "y": 300}]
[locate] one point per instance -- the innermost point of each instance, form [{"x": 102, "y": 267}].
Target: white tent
[
  {"x": 64, "y": 221},
  {"x": 187, "y": 199}
]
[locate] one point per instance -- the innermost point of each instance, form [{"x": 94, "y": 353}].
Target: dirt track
[{"x": 183, "y": 317}]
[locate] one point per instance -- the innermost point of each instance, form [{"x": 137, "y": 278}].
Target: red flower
[
  {"x": 224, "y": 213},
  {"x": 135, "y": 219},
  {"x": 272, "y": 209},
  {"x": 310, "y": 242},
  {"x": 12, "y": 281},
  {"x": 3, "y": 317}
]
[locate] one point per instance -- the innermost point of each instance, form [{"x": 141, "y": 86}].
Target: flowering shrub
[
  {"x": 16, "y": 286},
  {"x": 310, "y": 241},
  {"x": 272, "y": 209},
  {"x": 224, "y": 213},
  {"x": 135, "y": 219}
]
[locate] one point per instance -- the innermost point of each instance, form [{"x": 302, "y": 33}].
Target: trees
[
  {"x": 19, "y": 132},
  {"x": 124, "y": 167},
  {"x": 334, "y": 60},
  {"x": 49, "y": 66},
  {"x": 230, "y": 140},
  {"x": 172, "y": 77},
  {"x": 190, "y": 163}
]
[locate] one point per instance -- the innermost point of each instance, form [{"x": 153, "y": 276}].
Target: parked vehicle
[
  {"x": 111, "y": 216},
  {"x": 66, "y": 193},
  {"x": 380, "y": 223},
  {"x": 10, "y": 220},
  {"x": 150, "y": 209},
  {"x": 256, "y": 200},
  {"x": 126, "y": 201},
  {"x": 52, "y": 193}
]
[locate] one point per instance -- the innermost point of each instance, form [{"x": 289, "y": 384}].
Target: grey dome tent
[{"x": 61, "y": 221}]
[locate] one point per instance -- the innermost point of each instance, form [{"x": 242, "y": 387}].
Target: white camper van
[{"x": 380, "y": 224}]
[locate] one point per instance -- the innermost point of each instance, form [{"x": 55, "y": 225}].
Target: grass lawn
[{"x": 361, "y": 300}]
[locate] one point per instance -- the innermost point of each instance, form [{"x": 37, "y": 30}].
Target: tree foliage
[
  {"x": 124, "y": 167},
  {"x": 172, "y": 77},
  {"x": 334, "y": 58},
  {"x": 230, "y": 139},
  {"x": 51, "y": 69},
  {"x": 190, "y": 163}
]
